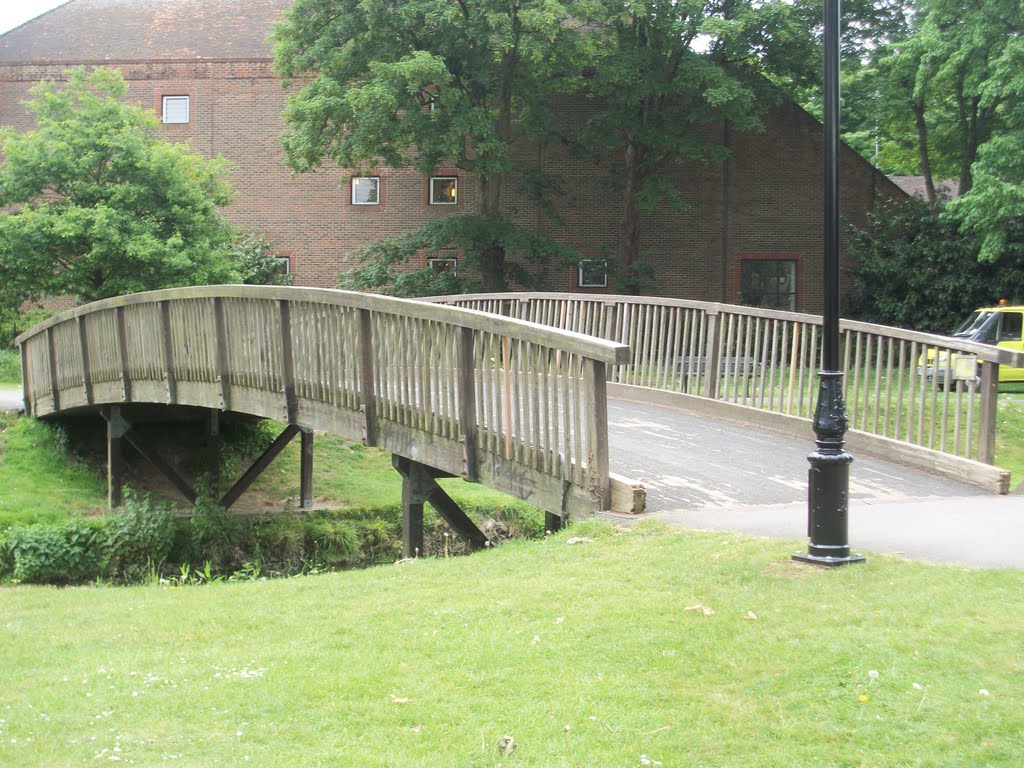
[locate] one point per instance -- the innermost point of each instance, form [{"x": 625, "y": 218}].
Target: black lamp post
[{"x": 829, "y": 475}]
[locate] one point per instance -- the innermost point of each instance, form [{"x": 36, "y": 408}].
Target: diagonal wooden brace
[{"x": 419, "y": 486}]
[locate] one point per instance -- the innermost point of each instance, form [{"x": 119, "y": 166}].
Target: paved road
[
  {"x": 10, "y": 400},
  {"x": 716, "y": 475}
]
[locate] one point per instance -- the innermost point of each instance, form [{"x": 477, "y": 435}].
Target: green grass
[
  {"x": 42, "y": 481},
  {"x": 589, "y": 654},
  {"x": 39, "y": 481},
  {"x": 10, "y": 369}
]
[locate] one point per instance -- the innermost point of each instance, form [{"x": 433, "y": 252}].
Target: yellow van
[{"x": 1002, "y": 326}]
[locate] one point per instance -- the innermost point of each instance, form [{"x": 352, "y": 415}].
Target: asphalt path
[
  {"x": 10, "y": 400},
  {"x": 718, "y": 475}
]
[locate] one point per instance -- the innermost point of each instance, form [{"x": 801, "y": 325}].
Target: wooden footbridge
[
  {"x": 509, "y": 390},
  {"x": 515, "y": 405}
]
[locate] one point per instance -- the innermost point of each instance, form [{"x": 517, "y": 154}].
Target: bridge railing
[
  {"x": 517, "y": 405},
  {"x": 916, "y": 388}
]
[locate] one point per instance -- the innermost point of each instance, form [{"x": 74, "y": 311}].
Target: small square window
[
  {"x": 366, "y": 190},
  {"x": 176, "y": 109},
  {"x": 444, "y": 190},
  {"x": 593, "y": 273},
  {"x": 284, "y": 265},
  {"x": 769, "y": 283},
  {"x": 448, "y": 264}
]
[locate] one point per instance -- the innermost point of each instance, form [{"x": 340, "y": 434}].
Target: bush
[
  {"x": 139, "y": 538},
  {"x": 70, "y": 552},
  {"x": 10, "y": 365}
]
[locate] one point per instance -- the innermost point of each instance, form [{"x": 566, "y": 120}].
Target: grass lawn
[{"x": 598, "y": 653}]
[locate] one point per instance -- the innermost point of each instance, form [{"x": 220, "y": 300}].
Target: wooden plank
[
  {"x": 598, "y": 429},
  {"x": 467, "y": 392},
  {"x": 288, "y": 364},
  {"x": 122, "y": 348},
  {"x": 987, "y": 412},
  {"x": 258, "y": 466},
  {"x": 54, "y": 383},
  {"x": 223, "y": 365},
  {"x": 367, "y": 379},
  {"x": 83, "y": 341},
  {"x": 170, "y": 377}
]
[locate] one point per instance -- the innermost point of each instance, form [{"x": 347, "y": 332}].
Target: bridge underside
[{"x": 419, "y": 479}]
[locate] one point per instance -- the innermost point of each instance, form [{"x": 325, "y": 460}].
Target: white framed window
[
  {"x": 593, "y": 273},
  {"x": 176, "y": 109},
  {"x": 444, "y": 190},
  {"x": 366, "y": 190},
  {"x": 284, "y": 265},
  {"x": 444, "y": 264}
]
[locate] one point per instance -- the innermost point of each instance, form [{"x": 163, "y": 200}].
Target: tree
[
  {"x": 668, "y": 73},
  {"x": 429, "y": 82},
  {"x": 96, "y": 205},
  {"x": 915, "y": 269}
]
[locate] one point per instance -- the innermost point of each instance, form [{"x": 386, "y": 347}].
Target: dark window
[
  {"x": 593, "y": 273},
  {"x": 444, "y": 190},
  {"x": 444, "y": 264},
  {"x": 1010, "y": 328},
  {"x": 769, "y": 283}
]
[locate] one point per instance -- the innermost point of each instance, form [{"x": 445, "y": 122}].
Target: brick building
[{"x": 205, "y": 66}]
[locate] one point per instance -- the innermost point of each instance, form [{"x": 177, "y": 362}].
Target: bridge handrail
[
  {"x": 516, "y": 405},
  {"x": 984, "y": 352},
  {"x": 923, "y": 389}
]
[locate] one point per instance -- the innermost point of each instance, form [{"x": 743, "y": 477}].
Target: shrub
[
  {"x": 916, "y": 270},
  {"x": 139, "y": 537},
  {"x": 10, "y": 365},
  {"x": 70, "y": 552}
]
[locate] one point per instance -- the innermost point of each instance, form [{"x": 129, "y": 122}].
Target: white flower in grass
[
  {"x": 983, "y": 692},
  {"x": 917, "y": 687},
  {"x": 873, "y": 674}
]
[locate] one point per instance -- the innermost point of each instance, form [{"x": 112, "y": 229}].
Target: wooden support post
[
  {"x": 223, "y": 366},
  {"x": 419, "y": 485},
  {"x": 306, "y": 468},
  {"x": 258, "y": 466},
  {"x": 712, "y": 357},
  {"x": 597, "y": 383},
  {"x": 467, "y": 403},
  {"x": 414, "y": 493},
  {"x": 552, "y": 522},
  {"x": 83, "y": 343},
  {"x": 116, "y": 427},
  {"x": 213, "y": 447},
  {"x": 169, "y": 375},
  {"x": 367, "y": 396},
  {"x": 987, "y": 416},
  {"x": 291, "y": 402},
  {"x": 27, "y": 386},
  {"x": 54, "y": 380},
  {"x": 122, "y": 349}
]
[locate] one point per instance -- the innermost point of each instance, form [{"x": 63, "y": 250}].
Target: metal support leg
[{"x": 116, "y": 427}]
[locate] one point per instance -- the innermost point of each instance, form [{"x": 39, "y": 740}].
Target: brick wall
[{"x": 765, "y": 200}]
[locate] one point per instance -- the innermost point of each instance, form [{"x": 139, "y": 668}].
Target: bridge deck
[{"x": 690, "y": 462}]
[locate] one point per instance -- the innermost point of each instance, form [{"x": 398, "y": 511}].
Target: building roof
[
  {"x": 914, "y": 186},
  {"x": 119, "y": 30}
]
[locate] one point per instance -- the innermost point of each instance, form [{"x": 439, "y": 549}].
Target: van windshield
[{"x": 969, "y": 326}]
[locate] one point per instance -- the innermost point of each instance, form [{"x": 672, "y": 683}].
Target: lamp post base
[{"x": 827, "y": 560}]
